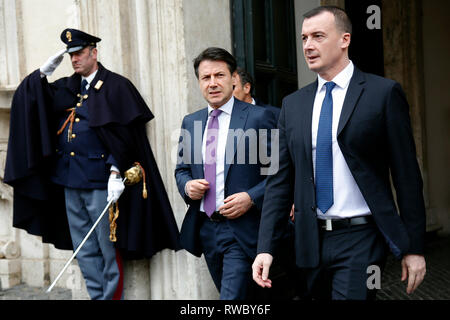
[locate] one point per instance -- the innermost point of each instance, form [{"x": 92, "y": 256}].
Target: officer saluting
[{"x": 70, "y": 143}]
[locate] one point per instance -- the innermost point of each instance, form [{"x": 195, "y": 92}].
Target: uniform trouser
[
  {"x": 229, "y": 266},
  {"x": 346, "y": 255},
  {"x": 98, "y": 261}
]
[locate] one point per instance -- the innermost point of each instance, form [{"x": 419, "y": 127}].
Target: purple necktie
[{"x": 212, "y": 135}]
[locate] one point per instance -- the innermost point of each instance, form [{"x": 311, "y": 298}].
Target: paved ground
[
  {"x": 23, "y": 292},
  {"x": 436, "y": 285}
]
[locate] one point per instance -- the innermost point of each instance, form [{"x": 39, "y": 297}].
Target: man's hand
[
  {"x": 236, "y": 205},
  {"x": 261, "y": 267},
  {"x": 291, "y": 214},
  {"x": 413, "y": 269},
  {"x": 195, "y": 189},
  {"x": 115, "y": 187},
  {"x": 52, "y": 63}
]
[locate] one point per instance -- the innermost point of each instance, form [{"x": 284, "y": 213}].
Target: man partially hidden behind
[
  {"x": 70, "y": 143},
  {"x": 244, "y": 90},
  {"x": 341, "y": 138}
]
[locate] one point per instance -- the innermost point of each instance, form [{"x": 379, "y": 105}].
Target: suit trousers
[
  {"x": 97, "y": 258},
  {"x": 346, "y": 255},
  {"x": 229, "y": 266}
]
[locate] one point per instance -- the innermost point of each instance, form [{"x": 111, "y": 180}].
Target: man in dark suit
[
  {"x": 221, "y": 177},
  {"x": 244, "y": 91},
  {"x": 340, "y": 138}
]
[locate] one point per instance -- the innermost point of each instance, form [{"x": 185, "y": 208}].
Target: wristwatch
[{"x": 116, "y": 175}]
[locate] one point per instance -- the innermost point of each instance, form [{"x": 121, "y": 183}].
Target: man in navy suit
[
  {"x": 223, "y": 185},
  {"x": 244, "y": 91},
  {"x": 341, "y": 138}
]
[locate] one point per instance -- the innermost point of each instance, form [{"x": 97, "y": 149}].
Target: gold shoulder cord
[{"x": 133, "y": 176}]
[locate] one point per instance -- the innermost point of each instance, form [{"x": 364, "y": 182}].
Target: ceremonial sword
[
  {"x": 132, "y": 176},
  {"x": 82, "y": 243}
]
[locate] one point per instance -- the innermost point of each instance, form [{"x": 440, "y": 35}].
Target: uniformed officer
[
  {"x": 85, "y": 168},
  {"x": 69, "y": 142}
]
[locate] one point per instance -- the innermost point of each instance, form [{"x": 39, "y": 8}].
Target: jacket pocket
[{"x": 96, "y": 168}]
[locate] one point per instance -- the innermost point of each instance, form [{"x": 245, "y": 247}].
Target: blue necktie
[
  {"x": 324, "y": 153},
  {"x": 83, "y": 87}
]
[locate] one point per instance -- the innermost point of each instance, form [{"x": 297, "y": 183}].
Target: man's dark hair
[
  {"x": 215, "y": 54},
  {"x": 343, "y": 22},
  {"x": 245, "y": 78}
]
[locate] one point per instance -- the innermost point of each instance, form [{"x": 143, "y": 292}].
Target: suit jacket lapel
[
  {"x": 237, "y": 121},
  {"x": 308, "y": 102},
  {"x": 197, "y": 143},
  {"x": 354, "y": 91}
]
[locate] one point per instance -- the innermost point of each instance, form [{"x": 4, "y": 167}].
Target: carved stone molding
[
  {"x": 9, "y": 250},
  {"x": 9, "y": 45}
]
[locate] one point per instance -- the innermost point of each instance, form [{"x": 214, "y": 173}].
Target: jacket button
[
  {"x": 74, "y": 135},
  {"x": 72, "y": 154},
  {"x": 78, "y": 104},
  {"x": 77, "y": 119},
  {"x": 313, "y": 208},
  {"x": 103, "y": 155}
]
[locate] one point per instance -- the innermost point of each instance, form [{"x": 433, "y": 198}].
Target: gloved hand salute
[{"x": 52, "y": 63}]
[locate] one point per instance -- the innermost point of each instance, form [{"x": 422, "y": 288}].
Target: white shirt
[
  {"x": 348, "y": 200},
  {"x": 89, "y": 78},
  {"x": 224, "y": 123}
]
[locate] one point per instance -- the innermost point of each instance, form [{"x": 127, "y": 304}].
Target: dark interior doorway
[
  {"x": 264, "y": 44},
  {"x": 366, "y": 48}
]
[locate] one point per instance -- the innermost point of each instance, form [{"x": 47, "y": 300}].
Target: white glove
[
  {"x": 52, "y": 63},
  {"x": 115, "y": 188}
]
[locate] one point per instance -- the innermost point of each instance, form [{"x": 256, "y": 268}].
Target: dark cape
[{"x": 118, "y": 115}]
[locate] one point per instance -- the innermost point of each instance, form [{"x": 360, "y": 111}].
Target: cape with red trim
[{"x": 144, "y": 226}]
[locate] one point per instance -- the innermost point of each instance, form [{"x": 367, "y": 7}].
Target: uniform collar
[{"x": 90, "y": 77}]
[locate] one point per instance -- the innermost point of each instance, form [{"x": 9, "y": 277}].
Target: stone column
[
  {"x": 10, "y": 265},
  {"x": 403, "y": 62},
  {"x": 158, "y": 50},
  {"x": 305, "y": 76}
]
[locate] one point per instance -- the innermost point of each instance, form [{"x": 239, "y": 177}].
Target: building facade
[{"x": 153, "y": 43}]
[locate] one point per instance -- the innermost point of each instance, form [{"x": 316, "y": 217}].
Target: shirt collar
[
  {"x": 90, "y": 77},
  {"x": 342, "y": 79},
  {"x": 227, "y": 107},
  {"x": 253, "y": 102}
]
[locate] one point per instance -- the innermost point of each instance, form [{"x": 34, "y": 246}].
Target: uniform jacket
[{"x": 81, "y": 159}]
